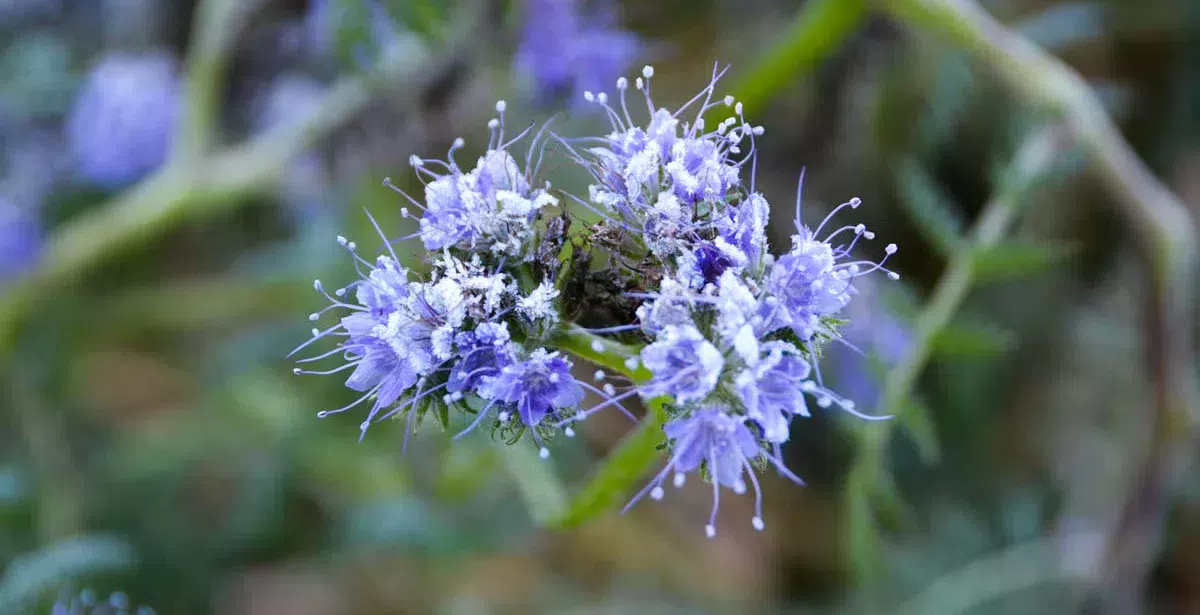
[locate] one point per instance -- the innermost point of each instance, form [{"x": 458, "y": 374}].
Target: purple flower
[
  {"x": 121, "y": 125},
  {"x": 744, "y": 227},
  {"x": 567, "y": 52},
  {"x": 807, "y": 285},
  {"x": 537, "y": 386},
  {"x": 20, "y": 237},
  {"x": 489, "y": 207},
  {"x": 772, "y": 390},
  {"x": 652, "y": 181},
  {"x": 484, "y": 352},
  {"x": 725, "y": 447},
  {"x": 685, "y": 365}
]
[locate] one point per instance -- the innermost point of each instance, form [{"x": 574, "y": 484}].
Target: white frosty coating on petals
[{"x": 540, "y": 305}]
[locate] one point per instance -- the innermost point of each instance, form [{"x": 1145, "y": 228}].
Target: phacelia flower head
[
  {"x": 567, "y": 51},
  {"x": 730, "y": 335},
  {"x": 120, "y": 127}
]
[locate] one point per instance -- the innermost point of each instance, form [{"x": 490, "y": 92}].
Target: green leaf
[
  {"x": 1018, "y": 259},
  {"x": 933, "y": 212},
  {"x": 618, "y": 473},
  {"x": 959, "y": 340},
  {"x": 917, "y": 421},
  {"x": 819, "y": 29}
]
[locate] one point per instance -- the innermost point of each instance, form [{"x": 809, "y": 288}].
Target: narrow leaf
[
  {"x": 959, "y": 340},
  {"x": 917, "y": 422},
  {"x": 1018, "y": 259},
  {"x": 933, "y": 212}
]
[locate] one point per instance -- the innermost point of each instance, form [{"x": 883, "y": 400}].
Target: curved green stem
[{"x": 1166, "y": 233}]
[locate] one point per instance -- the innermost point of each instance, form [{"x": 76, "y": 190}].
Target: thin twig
[
  {"x": 191, "y": 189},
  {"x": 1165, "y": 231},
  {"x": 1031, "y": 161}
]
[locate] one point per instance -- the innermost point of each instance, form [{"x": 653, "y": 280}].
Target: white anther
[
  {"x": 314, "y": 316},
  {"x": 622, "y": 83},
  {"x": 710, "y": 531},
  {"x": 609, "y": 389},
  {"x": 647, "y": 71},
  {"x": 568, "y": 432},
  {"x": 602, "y": 98},
  {"x": 503, "y": 417},
  {"x": 680, "y": 479},
  {"x": 729, "y": 101},
  {"x": 758, "y": 524},
  {"x": 638, "y": 83},
  {"x": 544, "y": 453},
  {"x": 599, "y": 375},
  {"x": 459, "y": 142},
  {"x": 892, "y": 275},
  {"x": 501, "y": 106},
  {"x": 656, "y": 493},
  {"x": 493, "y": 123},
  {"x": 738, "y": 108},
  {"x": 855, "y": 202},
  {"x": 296, "y": 370},
  {"x": 316, "y": 332},
  {"x": 588, "y": 96},
  {"x": 597, "y": 346},
  {"x": 404, "y": 212},
  {"x": 890, "y": 249},
  {"x": 758, "y": 130}
]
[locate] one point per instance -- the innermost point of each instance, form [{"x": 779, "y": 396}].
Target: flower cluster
[{"x": 730, "y": 333}]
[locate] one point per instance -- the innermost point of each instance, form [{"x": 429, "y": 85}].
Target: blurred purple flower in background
[
  {"x": 120, "y": 127},
  {"x": 20, "y": 237},
  {"x": 32, "y": 164},
  {"x": 881, "y": 336},
  {"x": 566, "y": 51}
]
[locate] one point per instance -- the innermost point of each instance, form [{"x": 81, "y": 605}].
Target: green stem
[
  {"x": 819, "y": 28},
  {"x": 1166, "y": 233},
  {"x": 186, "y": 190},
  {"x": 215, "y": 28},
  {"x": 1034, "y": 157}
]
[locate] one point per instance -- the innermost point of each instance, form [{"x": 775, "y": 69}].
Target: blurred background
[{"x": 173, "y": 174}]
